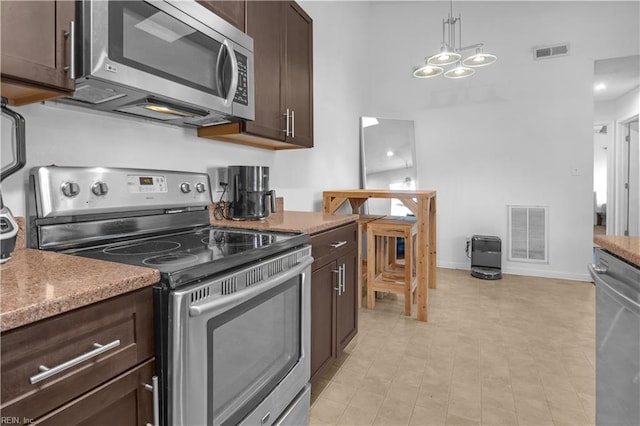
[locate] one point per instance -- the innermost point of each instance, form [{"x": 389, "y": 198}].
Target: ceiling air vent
[{"x": 544, "y": 52}]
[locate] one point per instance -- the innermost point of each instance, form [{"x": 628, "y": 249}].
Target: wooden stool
[
  {"x": 362, "y": 261},
  {"x": 384, "y": 271}
]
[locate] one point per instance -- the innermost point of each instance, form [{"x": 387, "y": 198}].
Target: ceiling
[{"x": 619, "y": 75}]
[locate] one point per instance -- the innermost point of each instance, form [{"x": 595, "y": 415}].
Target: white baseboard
[{"x": 526, "y": 272}]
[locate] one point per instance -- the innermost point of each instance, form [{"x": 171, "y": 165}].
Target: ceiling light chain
[{"x": 450, "y": 54}]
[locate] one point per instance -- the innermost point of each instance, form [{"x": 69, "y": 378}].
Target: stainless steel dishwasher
[{"x": 617, "y": 340}]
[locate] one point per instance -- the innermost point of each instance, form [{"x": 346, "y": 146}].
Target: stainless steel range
[{"x": 232, "y": 309}]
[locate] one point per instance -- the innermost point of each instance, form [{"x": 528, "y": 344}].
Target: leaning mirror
[{"x": 387, "y": 160}]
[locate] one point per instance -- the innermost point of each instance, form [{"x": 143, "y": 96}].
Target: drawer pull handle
[
  {"x": 46, "y": 372},
  {"x": 338, "y": 244}
]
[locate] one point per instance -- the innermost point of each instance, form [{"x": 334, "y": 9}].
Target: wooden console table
[{"x": 423, "y": 205}]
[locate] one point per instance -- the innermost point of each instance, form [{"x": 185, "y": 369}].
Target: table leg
[
  {"x": 432, "y": 243},
  {"x": 423, "y": 249}
]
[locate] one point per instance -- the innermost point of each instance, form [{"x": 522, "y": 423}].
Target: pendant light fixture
[{"x": 451, "y": 53}]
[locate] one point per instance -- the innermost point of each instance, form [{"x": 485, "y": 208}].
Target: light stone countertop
[
  {"x": 627, "y": 248},
  {"x": 36, "y": 284},
  {"x": 290, "y": 221}
]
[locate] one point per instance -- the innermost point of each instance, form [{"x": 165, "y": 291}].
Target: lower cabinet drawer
[
  {"x": 81, "y": 349},
  {"x": 123, "y": 401},
  {"x": 330, "y": 244}
]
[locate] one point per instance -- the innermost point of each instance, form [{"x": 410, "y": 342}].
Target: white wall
[
  {"x": 512, "y": 133},
  {"x": 340, "y": 91},
  {"x": 69, "y": 136}
]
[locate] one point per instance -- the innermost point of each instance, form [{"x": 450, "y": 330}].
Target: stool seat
[{"x": 385, "y": 272}]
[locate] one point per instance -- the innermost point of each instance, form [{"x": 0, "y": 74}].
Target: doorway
[
  {"x": 616, "y": 186},
  {"x": 602, "y": 136},
  {"x": 631, "y": 170}
]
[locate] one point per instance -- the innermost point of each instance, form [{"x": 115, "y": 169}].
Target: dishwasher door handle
[{"x": 606, "y": 285}]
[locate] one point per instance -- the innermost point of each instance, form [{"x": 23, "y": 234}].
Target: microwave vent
[
  {"x": 544, "y": 52},
  {"x": 96, "y": 95}
]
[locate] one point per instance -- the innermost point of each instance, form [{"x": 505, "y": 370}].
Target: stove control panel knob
[
  {"x": 99, "y": 188},
  {"x": 70, "y": 189},
  {"x": 200, "y": 187},
  {"x": 185, "y": 188}
]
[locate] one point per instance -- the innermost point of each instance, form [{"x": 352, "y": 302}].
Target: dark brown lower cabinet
[
  {"x": 123, "y": 401},
  {"x": 108, "y": 348},
  {"x": 334, "y": 308}
]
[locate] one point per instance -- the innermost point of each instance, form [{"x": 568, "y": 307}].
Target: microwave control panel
[{"x": 242, "y": 93}]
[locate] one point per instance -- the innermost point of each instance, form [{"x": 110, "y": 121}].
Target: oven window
[
  {"x": 146, "y": 38},
  {"x": 251, "y": 349}
]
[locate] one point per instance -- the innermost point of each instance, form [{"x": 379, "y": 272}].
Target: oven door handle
[{"x": 227, "y": 302}]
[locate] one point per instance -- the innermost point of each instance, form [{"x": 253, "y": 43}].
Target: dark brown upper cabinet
[
  {"x": 283, "y": 66},
  {"x": 35, "y": 50},
  {"x": 231, "y": 11}
]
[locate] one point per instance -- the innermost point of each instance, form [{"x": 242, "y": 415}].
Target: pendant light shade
[
  {"x": 459, "y": 71},
  {"x": 427, "y": 71},
  {"x": 450, "y": 53},
  {"x": 479, "y": 59},
  {"x": 444, "y": 58}
]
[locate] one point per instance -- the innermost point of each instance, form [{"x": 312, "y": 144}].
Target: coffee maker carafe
[{"x": 248, "y": 192}]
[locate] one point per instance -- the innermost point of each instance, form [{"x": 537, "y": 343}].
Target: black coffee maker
[{"x": 248, "y": 193}]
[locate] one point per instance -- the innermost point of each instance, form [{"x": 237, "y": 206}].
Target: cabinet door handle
[
  {"x": 153, "y": 387},
  {"x": 338, "y": 244},
  {"x": 293, "y": 124},
  {"x": 343, "y": 278},
  {"x": 48, "y": 372},
  {"x": 71, "y": 36},
  {"x": 286, "y": 129},
  {"x": 339, "y": 273}
]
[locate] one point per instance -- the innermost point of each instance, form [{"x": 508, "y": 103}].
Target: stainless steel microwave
[{"x": 173, "y": 61}]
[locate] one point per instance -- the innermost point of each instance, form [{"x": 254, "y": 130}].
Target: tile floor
[{"x": 516, "y": 351}]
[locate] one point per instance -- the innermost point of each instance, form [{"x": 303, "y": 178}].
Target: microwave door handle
[
  {"x": 234, "y": 73},
  {"x": 220, "y": 71}
]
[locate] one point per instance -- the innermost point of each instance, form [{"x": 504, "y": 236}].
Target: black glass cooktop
[{"x": 190, "y": 255}]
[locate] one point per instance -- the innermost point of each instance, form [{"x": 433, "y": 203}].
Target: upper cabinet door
[
  {"x": 35, "y": 50},
  {"x": 232, "y": 11},
  {"x": 265, "y": 26},
  {"x": 283, "y": 66},
  {"x": 298, "y": 77}
]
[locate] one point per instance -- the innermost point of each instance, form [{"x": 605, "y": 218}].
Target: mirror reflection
[{"x": 387, "y": 161}]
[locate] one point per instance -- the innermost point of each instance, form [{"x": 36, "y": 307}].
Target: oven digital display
[{"x": 146, "y": 184}]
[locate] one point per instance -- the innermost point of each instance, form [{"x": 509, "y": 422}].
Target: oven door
[{"x": 243, "y": 356}]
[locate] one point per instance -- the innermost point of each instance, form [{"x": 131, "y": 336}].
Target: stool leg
[
  {"x": 360, "y": 260},
  {"x": 407, "y": 274},
  {"x": 371, "y": 269}
]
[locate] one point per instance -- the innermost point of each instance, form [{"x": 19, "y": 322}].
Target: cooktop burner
[
  {"x": 189, "y": 255},
  {"x": 171, "y": 259},
  {"x": 145, "y": 247}
]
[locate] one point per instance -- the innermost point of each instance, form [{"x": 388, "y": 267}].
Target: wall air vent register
[{"x": 528, "y": 234}]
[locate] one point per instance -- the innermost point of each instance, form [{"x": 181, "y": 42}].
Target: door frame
[{"x": 616, "y": 187}]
